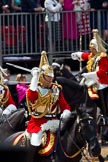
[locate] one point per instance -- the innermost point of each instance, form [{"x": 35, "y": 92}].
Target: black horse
[
  {"x": 13, "y": 123},
  {"x": 76, "y": 94},
  {"x": 79, "y": 132}
]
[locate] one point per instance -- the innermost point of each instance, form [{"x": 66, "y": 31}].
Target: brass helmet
[
  {"x": 3, "y": 73},
  {"x": 97, "y": 42},
  {"x": 46, "y": 69},
  {"x": 2, "y": 86}
]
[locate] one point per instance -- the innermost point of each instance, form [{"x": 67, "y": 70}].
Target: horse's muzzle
[{"x": 95, "y": 149}]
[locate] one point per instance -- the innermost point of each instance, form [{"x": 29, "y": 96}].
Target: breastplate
[{"x": 45, "y": 104}]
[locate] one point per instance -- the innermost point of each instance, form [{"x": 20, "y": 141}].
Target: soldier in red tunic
[
  {"x": 7, "y": 104},
  {"x": 44, "y": 100},
  {"x": 96, "y": 77}
]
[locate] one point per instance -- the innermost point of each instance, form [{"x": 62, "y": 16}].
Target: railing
[{"x": 24, "y": 35}]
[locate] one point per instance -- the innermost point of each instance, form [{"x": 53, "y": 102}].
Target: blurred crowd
[{"x": 78, "y": 19}]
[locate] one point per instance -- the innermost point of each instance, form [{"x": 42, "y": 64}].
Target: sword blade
[{"x": 19, "y": 67}]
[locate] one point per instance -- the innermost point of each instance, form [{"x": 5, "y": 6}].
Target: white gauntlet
[
  {"x": 90, "y": 75},
  {"x": 9, "y": 109},
  {"x": 76, "y": 55},
  {"x": 65, "y": 114},
  {"x": 91, "y": 78},
  {"x": 34, "y": 81}
]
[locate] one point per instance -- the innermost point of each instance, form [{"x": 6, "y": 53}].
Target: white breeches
[
  {"x": 9, "y": 109},
  {"x": 35, "y": 138}
]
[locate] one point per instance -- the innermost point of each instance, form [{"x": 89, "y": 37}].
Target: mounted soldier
[
  {"x": 7, "y": 104},
  {"x": 45, "y": 101},
  {"x": 96, "y": 76}
]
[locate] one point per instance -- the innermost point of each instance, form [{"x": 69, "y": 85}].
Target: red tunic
[
  {"x": 102, "y": 71},
  {"x": 34, "y": 124},
  {"x": 10, "y": 99}
]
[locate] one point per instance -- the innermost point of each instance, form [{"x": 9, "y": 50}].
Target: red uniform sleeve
[
  {"x": 10, "y": 100},
  {"x": 32, "y": 95},
  {"x": 102, "y": 72},
  {"x": 85, "y": 55},
  {"x": 63, "y": 103}
]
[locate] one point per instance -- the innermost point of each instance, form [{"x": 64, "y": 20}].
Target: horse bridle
[
  {"x": 6, "y": 118},
  {"x": 80, "y": 150}
]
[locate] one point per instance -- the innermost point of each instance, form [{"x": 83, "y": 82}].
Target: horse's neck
[{"x": 71, "y": 141}]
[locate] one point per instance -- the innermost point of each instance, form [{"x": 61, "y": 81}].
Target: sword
[
  {"x": 19, "y": 67},
  {"x": 3, "y": 71}
]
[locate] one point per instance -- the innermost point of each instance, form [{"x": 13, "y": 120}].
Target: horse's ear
[{"x": 81, "y": 109}]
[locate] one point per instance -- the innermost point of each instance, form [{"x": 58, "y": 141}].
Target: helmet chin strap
[{"x": 46, "y": 83}]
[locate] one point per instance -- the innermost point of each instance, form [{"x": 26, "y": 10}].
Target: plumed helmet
[
  {"x": 97, "y": 42},
  {"x": 2, "y": 74},
  {"x": 46, "y": 69}
]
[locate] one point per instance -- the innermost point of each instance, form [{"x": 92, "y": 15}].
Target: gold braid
[
  {"x": 46, "y": 101},
  {"x": 91, "y": 65},
  {"x": 5, "y": 99}
]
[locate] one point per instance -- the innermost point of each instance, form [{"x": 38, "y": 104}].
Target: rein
[{"x": 9, "y": 122}]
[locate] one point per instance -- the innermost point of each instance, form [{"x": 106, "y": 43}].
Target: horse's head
[
  {"x": 87, "y": 132},
  {"x": 13, "y": 123}
]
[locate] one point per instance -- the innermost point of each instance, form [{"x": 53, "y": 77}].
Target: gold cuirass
[
  {"x": 92, "y": 65},
  {"x": 45, "y": 104}
]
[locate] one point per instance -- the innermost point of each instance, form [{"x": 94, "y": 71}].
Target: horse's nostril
[{"x": 95, "y": 150}]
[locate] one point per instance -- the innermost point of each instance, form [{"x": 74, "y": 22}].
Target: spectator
[
  {"x": 52, "y": 19},
  {"x": 21, "y": 89},
  {"x": 43, "y": 98},
  {"x": 5, "y": 8},
  {"x": 70, "y": 30},
  {"x": 82, "y": 8},
  {"x": 31, "y": 21},
  {"x": 16, "y": 5},
  {"x": 105, "y": 31},
  {"x": 99, "y": 20},
  {"x": 16, "y": 8}
]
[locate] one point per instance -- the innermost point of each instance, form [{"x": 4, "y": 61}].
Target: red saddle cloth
[{"x": 46, "y": 149}]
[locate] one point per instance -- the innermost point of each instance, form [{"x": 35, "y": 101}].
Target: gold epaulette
[
  {"x": 103, "y": 54},
  {"x": 6, "y": 97},
  {"x": 57, "y": 85}
]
